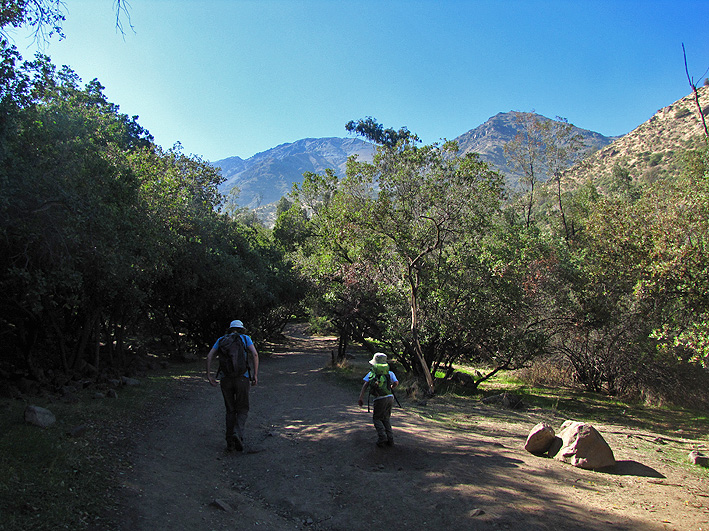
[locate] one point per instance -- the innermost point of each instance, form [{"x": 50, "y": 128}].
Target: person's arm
[
  {"x": 394, "y": 381},
  {"x": 210, "y": 356},
  {"x": 254, "y": 360},
  {"x": 360, "y": 401}
]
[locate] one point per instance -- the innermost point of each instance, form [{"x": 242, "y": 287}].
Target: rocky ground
[{"x": 311, "y": 463}]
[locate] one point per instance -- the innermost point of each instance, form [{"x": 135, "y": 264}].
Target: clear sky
[{"x": 237, "y": 77}]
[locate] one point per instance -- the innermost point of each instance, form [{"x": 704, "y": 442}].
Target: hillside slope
[{"x": 652, "y": 149}]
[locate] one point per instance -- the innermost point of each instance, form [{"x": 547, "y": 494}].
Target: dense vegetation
[
  {"x": 108, "y": 241},
  {"x": 110, "y": 244},
  {"x": 424, "y": 254}
]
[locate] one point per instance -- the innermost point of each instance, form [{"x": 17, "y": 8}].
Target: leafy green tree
[
  {"x": 374, "y": 131},
  {"x": 386, "y": 238},
  {"x": 105, "y": 237},
  {"x": 68, "y": 208},
  {"x": 640, "y": 306}
]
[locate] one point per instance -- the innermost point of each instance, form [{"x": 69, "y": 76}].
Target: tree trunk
[
  {"x": 97, "y": 351},
  {"x": 60, "y": 342},
  {"x": 417, "y": 350},
  {"x": 561, "y": 208},
  {"x": 342, "y": 345}
]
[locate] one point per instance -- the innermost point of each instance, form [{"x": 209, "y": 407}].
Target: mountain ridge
[
  {"x": 489, "y": 139},
  {"x": 267, "y": 176},
  {"x": 647, "y": 152}
]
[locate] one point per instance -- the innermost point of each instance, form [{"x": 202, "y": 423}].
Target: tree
[
  {"x": 375, "y": 132},
  {"x": 393, "y": 230},
  {"x": 560, "y": 147},
  {"x": 525, "y": 154},
  {"x": 106, "y": 237},
  {"x": 638, "y": 314},
  {"x": 46, "y": 17}
]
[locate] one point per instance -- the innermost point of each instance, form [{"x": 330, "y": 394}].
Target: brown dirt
[{"x": 311, "y": 463}]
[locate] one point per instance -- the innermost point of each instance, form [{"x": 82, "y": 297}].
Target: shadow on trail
[{"x": 314, "y": 461}]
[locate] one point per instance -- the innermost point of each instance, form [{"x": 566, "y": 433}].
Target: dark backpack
[{"x": 232, "y": 355}]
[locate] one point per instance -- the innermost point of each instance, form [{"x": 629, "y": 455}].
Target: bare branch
[
  {"x": 122, "y": 8},
  {"x": 696, "y": 95}
]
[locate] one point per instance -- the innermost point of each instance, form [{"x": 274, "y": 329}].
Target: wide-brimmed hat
[
  {"x": 236, "y": 324},
  {"x": 378, "y": 359}
]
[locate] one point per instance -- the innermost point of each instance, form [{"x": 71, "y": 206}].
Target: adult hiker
[
  {"x": 381, "y": 383},
  {"x": 234, "y": 351}
]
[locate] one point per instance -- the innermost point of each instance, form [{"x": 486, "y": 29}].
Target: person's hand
[
  {"x": 360, "y": 402},
  {"x": 212, "y": 381},
  {"x": 254, "y": 381}
]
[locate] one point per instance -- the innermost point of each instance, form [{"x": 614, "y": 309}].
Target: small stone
[
  {"x": 221, "y": 504},
  {"x": 699, "y": 459},
  {"x": 39, "y": 416}
]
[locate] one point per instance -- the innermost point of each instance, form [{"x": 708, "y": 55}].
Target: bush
[
  {"x": 548, "y": 372},
  {"x": 320, "y": 325}
]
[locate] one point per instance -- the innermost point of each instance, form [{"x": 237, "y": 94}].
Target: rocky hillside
[
  {"x": 651, "y": 150},
  {"x": 264, "y": 178},
  {"x": 268, "y": 176},
  {"x": 490, "y": 138}
]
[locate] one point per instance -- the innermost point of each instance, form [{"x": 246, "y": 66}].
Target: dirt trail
[{"x": 311, "y": 463}]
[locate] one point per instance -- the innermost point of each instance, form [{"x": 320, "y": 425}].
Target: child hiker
[{"x": 381, "y": 382}]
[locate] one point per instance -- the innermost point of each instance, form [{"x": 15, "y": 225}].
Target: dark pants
[
  {"x": 382, "y": 414},
  {"x": 235, "y": 390}
]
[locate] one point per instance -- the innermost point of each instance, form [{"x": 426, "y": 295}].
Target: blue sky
[{"x": 237, "y": 77}]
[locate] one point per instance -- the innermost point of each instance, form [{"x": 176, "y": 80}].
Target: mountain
[
  {"x": 651, "y": 150},
  {"x": 490, "y": 138},
  {"x": 268, "y": 176}
]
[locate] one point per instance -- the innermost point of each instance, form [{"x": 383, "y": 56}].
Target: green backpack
[{"x": 379, "y": 380}]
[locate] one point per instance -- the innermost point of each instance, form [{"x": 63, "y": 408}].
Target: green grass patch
[
  {"x": 578, "y": 404},
  {"x": 573, "y": 404}
]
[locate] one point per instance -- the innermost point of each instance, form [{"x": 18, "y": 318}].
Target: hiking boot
[
  {"x": 230, "y": 445},
  {"x": 390, "y": 442},
  {"x": 238, "y": 445},
  {"x": 381, "y": 444}
]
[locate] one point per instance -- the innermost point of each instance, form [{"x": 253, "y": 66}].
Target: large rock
[
  {"x": 582, "y": 446},
  {"x": 39, "y": 416},
  {"x": 540, "y": 439}
]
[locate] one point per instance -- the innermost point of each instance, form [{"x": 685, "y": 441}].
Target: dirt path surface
[{"x": 311, "y": 463}]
